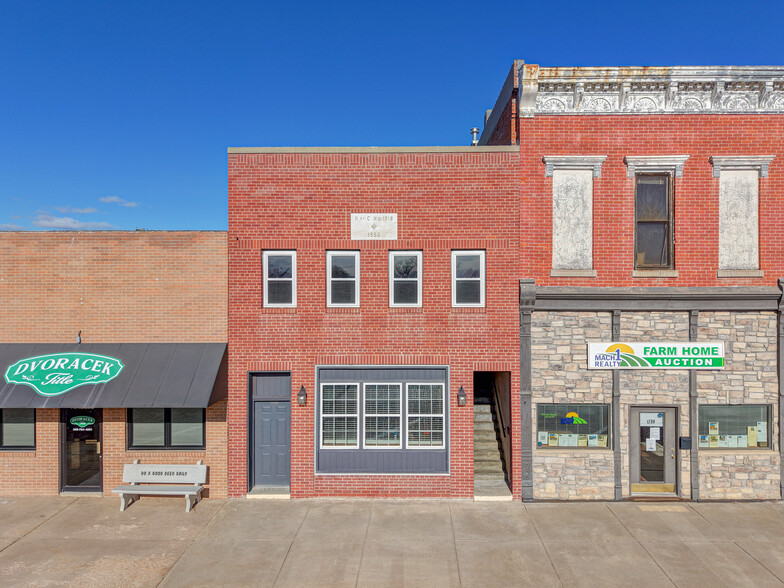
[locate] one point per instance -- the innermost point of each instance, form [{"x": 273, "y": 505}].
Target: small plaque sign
[{"x": 374, "y": 226}]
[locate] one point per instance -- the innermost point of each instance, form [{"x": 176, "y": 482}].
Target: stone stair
[{"x": 488, "y": 465}]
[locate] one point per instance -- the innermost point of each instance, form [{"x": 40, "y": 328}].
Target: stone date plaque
[{"x": 374, "y": 226}]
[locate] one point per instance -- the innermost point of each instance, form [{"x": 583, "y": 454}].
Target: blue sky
[{"x": 117, "y": 115}]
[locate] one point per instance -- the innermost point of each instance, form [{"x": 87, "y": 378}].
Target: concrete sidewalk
[{"x": 68, "y": 541}]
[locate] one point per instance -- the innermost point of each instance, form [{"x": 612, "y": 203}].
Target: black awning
[{"x": 153, "y": 375}]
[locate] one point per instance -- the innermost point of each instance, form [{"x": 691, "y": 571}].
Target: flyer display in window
[{"x": 571, "y": 425}]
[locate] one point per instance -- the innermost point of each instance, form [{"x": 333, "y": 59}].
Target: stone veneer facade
[{"x": 560, "y": 375}]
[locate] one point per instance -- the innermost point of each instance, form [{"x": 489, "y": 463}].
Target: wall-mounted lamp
[
  {"x": 461, "y": 397},
  {"x": 79, "y": 337},
  {"x": 302, "y": 397}
]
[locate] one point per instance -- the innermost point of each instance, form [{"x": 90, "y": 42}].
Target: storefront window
[
  {"x": 734, "y": 427},
  {"x": 166, "y": 428},
  {"x": 573, "y": 425},
  {"x": 17, "y": 428}
]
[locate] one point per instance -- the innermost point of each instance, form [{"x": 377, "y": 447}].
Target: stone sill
[
  {"x": 654, "y": 273},
  {"x": 572, "y": 450},
  {"x": 573, "y": 273},
  {"x": 736, "y": 450},
  {"x": 740, "y": 274}
]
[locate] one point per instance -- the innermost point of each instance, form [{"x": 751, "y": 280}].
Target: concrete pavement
[{"x": 63, "y": 541}]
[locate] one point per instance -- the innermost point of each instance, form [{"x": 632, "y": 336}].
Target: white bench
[{"x": 162, "y": 480}]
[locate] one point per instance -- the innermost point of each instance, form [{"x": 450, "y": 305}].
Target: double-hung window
[
  {"x": 280, "y": 279},
  {"x": 653, "y": 212},
  {"x": 405, "y": 278},
  {"x": 340, "y": 415},
  {"x": 343, "y": 278},
  {"x": 425, "y": 426},
  {"x": 166, "y": 428},
  {"x": 382, "y": 415},
  {"x": 468, "y": 278},
  {"x": 17, "y": 428}
]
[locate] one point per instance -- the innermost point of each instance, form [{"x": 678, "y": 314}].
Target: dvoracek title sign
[
  {"x": 58, "y": 373},
  {"x": 655, "y": 355}
]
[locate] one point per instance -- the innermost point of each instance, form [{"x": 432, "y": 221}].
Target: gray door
[
  {"x": 653, "y": 455},
  {"x": 272, "y": 443}
]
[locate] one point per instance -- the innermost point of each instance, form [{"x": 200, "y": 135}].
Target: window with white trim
[
  {"x": 425, "y": 419},
  {"x": 468, "y": 278},
  {"x": 280, "y": 279},
  {"x": 405, "y": 278},
  {"x": 343, "y": 278},
  {"x": 340, "y": 415},
  {"x": 382, "y": 415}
]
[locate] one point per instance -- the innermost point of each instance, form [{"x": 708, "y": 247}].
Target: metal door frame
[
  {"x": 634, "y": 441},
  {"x": 64, "y": 455}
]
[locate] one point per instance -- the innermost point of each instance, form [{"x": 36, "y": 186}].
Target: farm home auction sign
[
  {"x": 655, "y": 355},
  {"x": 57, "y": 373}
]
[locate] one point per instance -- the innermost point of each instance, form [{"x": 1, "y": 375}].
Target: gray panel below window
[{"x": 387, "y": 461}]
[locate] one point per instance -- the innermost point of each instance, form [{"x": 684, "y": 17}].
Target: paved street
[{"x": 63, "y": 541}]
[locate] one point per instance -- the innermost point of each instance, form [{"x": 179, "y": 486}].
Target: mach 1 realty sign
[
  {"x": 656, "y": 355},
  {"x": 57, "y": 373}
]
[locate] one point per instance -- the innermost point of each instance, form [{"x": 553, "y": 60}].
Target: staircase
[{"x": 489, "y": 476}]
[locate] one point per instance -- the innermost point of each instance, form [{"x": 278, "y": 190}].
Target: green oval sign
[
  {"x": 57, "y": 373},
  {"x": 82, "y": 421}
]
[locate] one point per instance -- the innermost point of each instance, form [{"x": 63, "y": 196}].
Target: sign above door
[{"x": 703, "y": 355}]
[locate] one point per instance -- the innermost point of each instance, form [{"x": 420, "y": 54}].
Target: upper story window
[
  {"x": 280, "y": 279},
  {"x": 405, "y": 278},
  {"x": 654, "y": 226},
  {"x": 343, "y": 278},
  {"x": 468, "y": 278}
]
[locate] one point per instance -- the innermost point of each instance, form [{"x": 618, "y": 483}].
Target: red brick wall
[
  {"x": 116, "y": 287},
  {"x": 303, "y": 201},
  {"x": 696, "y": 193}
]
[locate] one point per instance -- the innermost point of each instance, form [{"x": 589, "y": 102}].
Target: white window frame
[
  {"x": 482, "y": 278},
  {"x": 392, "y": 279},
  {"x": 398, "y": 414},
  {"x": 356, "y": 414},
  {"x": 423, "y": 414},
  {"x": 330, "y": 279},
  {"x": 293, "y": 279}
]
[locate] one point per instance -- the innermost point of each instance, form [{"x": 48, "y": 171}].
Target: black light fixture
[
  {"x": 461, "y": 397},
  {"x": 302, "y": 397},
  {"x": 79, "y": 337}
]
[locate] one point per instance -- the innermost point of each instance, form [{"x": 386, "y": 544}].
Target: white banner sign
[{"x": 666, "y": 355}]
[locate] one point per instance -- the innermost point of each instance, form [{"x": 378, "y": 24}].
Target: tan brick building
[{"x": 155, "y": 302}]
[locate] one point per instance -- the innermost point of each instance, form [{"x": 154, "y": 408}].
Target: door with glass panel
[
  {"x": 653, "y": 455},
  {"x": 81, "y": 450}
]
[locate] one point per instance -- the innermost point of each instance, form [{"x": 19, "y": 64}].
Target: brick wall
[
  {"x": 696, "y": 193},
  {"x": 115, "y": 287},
  {"x": 303, "y": 201}
]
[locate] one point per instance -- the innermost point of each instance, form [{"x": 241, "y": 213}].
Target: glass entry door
[
  {"x": 81, "y": 450},
  {"x": 652, "y": 452}
]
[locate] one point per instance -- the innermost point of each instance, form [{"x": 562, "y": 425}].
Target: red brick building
[
  {"x": 344, "y": 271},
  {"x": 153, "y": 302},
  {"x": 650, "y": 206}
]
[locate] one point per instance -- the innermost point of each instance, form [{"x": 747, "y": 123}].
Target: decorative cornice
[
  {"x": 650, "y": 90},
  {"x": 726, "y": 162},
  {"x": 592, "y": 162},
  {"x": 575, "y": 298},
  {"x": 654, "y": 163}
]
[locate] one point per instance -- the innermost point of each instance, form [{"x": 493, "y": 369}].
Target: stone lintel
[
  {"x": 737, "y": 162},
  {"x": 655, "y": 163},
  {"x": 592, "y": 162}
]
